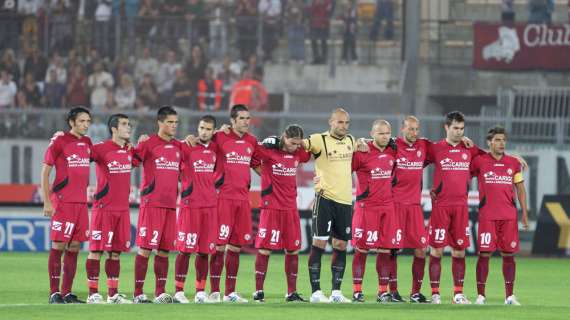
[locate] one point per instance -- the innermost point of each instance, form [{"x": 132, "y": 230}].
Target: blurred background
[{"x": 499, "y": 62}]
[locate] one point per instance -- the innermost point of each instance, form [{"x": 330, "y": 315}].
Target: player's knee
[
  {"x": 458, "y": 253},
  {"x": 292, "y": 253},
  {"x": 339, "y": 244},
  {"x": 506, "y": 254},
  {"x": 436, "y": 252},
  {"x": 420, "y": 253},
  {"x": 58, "y": 245},
  {"x": 144, "y": 252},
  {"x": 114, "y": 255},
  {"x": 162, "y": 253},
  {"x": 96, "y": 255},
  {"x": 319, "y": 243},
  {"x": 365, "y": 251},
  {"x": 221, "y": 248},
  {"x": 74, "y": 246},
  {"x": 233, "y": 248},
  {"x": 264, "y": 252},
  {"x": 382, "y": 250}
]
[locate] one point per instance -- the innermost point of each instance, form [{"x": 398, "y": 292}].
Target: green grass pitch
[{"x": 541, "y": 286}]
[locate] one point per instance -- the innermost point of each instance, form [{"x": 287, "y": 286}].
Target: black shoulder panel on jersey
[
  {"x": 148, "y": 189},
  {"x": 102, "y": 193},
  {"x": 187, "y": 191},
  {"x": 58, "y": 187}
]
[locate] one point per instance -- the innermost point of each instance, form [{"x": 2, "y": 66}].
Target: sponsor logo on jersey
[
  {"x": 76, "y": 161},
  {"x": 448, "y": 164},
  {"x": 280, "y": 169},
  {"x": 203, "y": 166},
  {"x": 494, "y": 178},
  {"x": 404, "y": 163},
  {"x": 163, "y": 164},
  {"x": 117, "y": 167},
  {"x": 378, "y": 173},
  {"x": 234, "y": 157}
]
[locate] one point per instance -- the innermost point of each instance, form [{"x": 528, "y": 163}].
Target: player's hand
[
  {"x": 433, "y": 196},
  {"x": 522, "y": 161},
  {"x": 362, "y": 145},
  {"x": 225, "y": 128},
  {"x": 191, "y": 140},
  {"x": 392, "y": 144},
  {"x": 316, "y": 179},
  {"x": 271, "y": 142},
  {"x": 468, "y": 142},
  {"x": 143, "y": 138},
  {"x": 48, "y": 208},
  {"x": 524, "y": 220}
]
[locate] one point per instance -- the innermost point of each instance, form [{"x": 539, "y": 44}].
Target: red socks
[
  {"x": 358, "y": 270},
  {"x": 160, "y": 274},
  {"x": 201, "y": 264},
  {"x": 181, "y": 270},
  {"x": 434, "y": 273},
  {"x": 261, "y": 261},
  {"x": 69, "y": 269},
  {"x": 481, "y": 273},
  {"x": 112, "y": 269},
  {"x": 54, "y": 269},
  {"x": 232, "y": 267},
  {"x": 509, "y": 270},
  {"x": 291, "y": 269},
  {"x": 216, "y": 266},
  {"x": 458, "y": 271},
  {"x": 92, "y": 268},
  {"x": 418, "y": 267},
  {"x": 141, "y": 265}
]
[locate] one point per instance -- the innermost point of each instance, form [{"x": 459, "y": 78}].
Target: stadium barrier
[{"x": 552, "y": 236}]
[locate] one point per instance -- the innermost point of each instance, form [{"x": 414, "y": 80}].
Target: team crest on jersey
[
  {"x": 391, "y": 163},
  {"x": 419, "y": 153},
  {"x": 87, "y": 234},
  {"x": 460, "y": 241},
  {"x": 510, "y": 171},
  {"x": 177, "y": 154},
  {"x": 127, "y": 244},
  {"x": 349, "y": 148},
  {"x": 297, "y": 242},
  {"x": 513, "y": 244},
  {"x": 423, "y": 239},
  {"x": 248, "y": 150},
  {"x": 130, "y": 158},
  {"x": 56, "y": 225},
  {"x": 347, "y": 230},
  {"x": 211, "y": 246},
  {"x": 464, "y": 156},
  {"x": 247, "y": 236}
]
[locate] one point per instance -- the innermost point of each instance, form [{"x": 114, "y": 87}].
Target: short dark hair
[
  {"x": 209, "y": 119},
  {"x": 237, "y": 108},
  {"x": 113, "y": 121},
  {"x": 74, "y": 113},
  {"x": 294, "y": 131},
  {"x": 456, "y": 116},
  {"x": 495, "y": 131},
  {"x": 164, "y": 112}
]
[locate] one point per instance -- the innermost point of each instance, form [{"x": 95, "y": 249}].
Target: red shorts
[
  {"x": 414, "y": 233},
  {"x": 234, "y": 222},
  {"x": 156, "y": 228},
  {"x": 279, "y": 229},
  {"x": 197, "y": 230},
  {"x": 70, "y": 222},
  {"x": 498, "y": 234},
  {"x": 449, "y": 226},
  {"x": 110, "y": 230},
  {"x": 376, "y": 227}
]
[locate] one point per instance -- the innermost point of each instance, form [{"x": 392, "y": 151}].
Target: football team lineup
[{"x": 209, "y": 215}]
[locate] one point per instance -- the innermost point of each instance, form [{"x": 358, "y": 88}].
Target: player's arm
[
  {"x": 257, "y": 170},
  {"x": 521, "y": 160},
  {"x": 521, "y": 196},
  {"x": 48, "y": 207}
]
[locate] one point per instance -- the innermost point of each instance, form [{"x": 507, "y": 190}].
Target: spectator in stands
[
  {"x": 252, "y": 64},
  {"x": 270, "y": 11},
  {"x": 507, "y": 11},
  {"x": 37, "y": 65},
  {"x": 246, "y": 24},
  {"x": 92, "y": 58},
  {"x": 295, "y": 21},
  {"x": 9, "y": 25},
  {"x": 102, "y": 26},
  {"x": 173, "y": 25},
  {"x": 56, "y": 64},
  {"x": 128, "y": 10},
  {"x": 61, "y": 26},
  {"x": 568, "y": 9},
  {"x": 384, "y": 14},
  {"x": 350, "y": 19},
  {"x": 196, "y": 66},
  {"x": 197, "y": 22},
  {"x": 250, "y": 92},
  {"x": 540, "y": 11},
  {"x": 121, "y": 67},
  {"x": 125, "y": 94},
  {"x": 166, "y": 76},
  {"x": 147, "y": 21},
  {"x": 100, "y": 84},
  {"x": 210, "y": 92},
  {"x": 320, "y": 13},
  {"x": 8, "y": 90},
  {"x": 182, "y": 91},
  {"x": 54, "y": 91},
  {"x": 145, "y": 65},
  {"x": 10, "y": 64},
  {"x": 73, "y": 59},
  {"x": 147, "y": 93},
  {"x": 30, "y": 10},
  {"x": 218, "y": 29},
  {"x": 229, "y": 75},
  {"x": 77, "y": 88},
  {"x": 29, "y": 95}
]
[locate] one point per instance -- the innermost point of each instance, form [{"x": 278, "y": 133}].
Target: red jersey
[
  {"x": 408, "y": 176},
  {"x": 198, "y": 190},
  {"x": 235, "y": 157},
  {"x": 71, "y": 157},
  {"x": 374, "y": 173},
  {"x": 113, "y": 169},
  {"x": 496, "y": 179},
  {"x": 451, "y": 176},
  {"x": 279, "y": 177},
  {"x": 161, "y": 168}
]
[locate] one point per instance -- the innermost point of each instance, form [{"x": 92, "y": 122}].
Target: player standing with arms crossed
[
  {"x": 66, "y": 201},
  {"x": 197, "y": 218},
  {"x": 110, "y": 216},
  {"x": 499, "y": 175},
  {"x": 160, "y": 156},
  {"x": 279, "y": 222}
]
